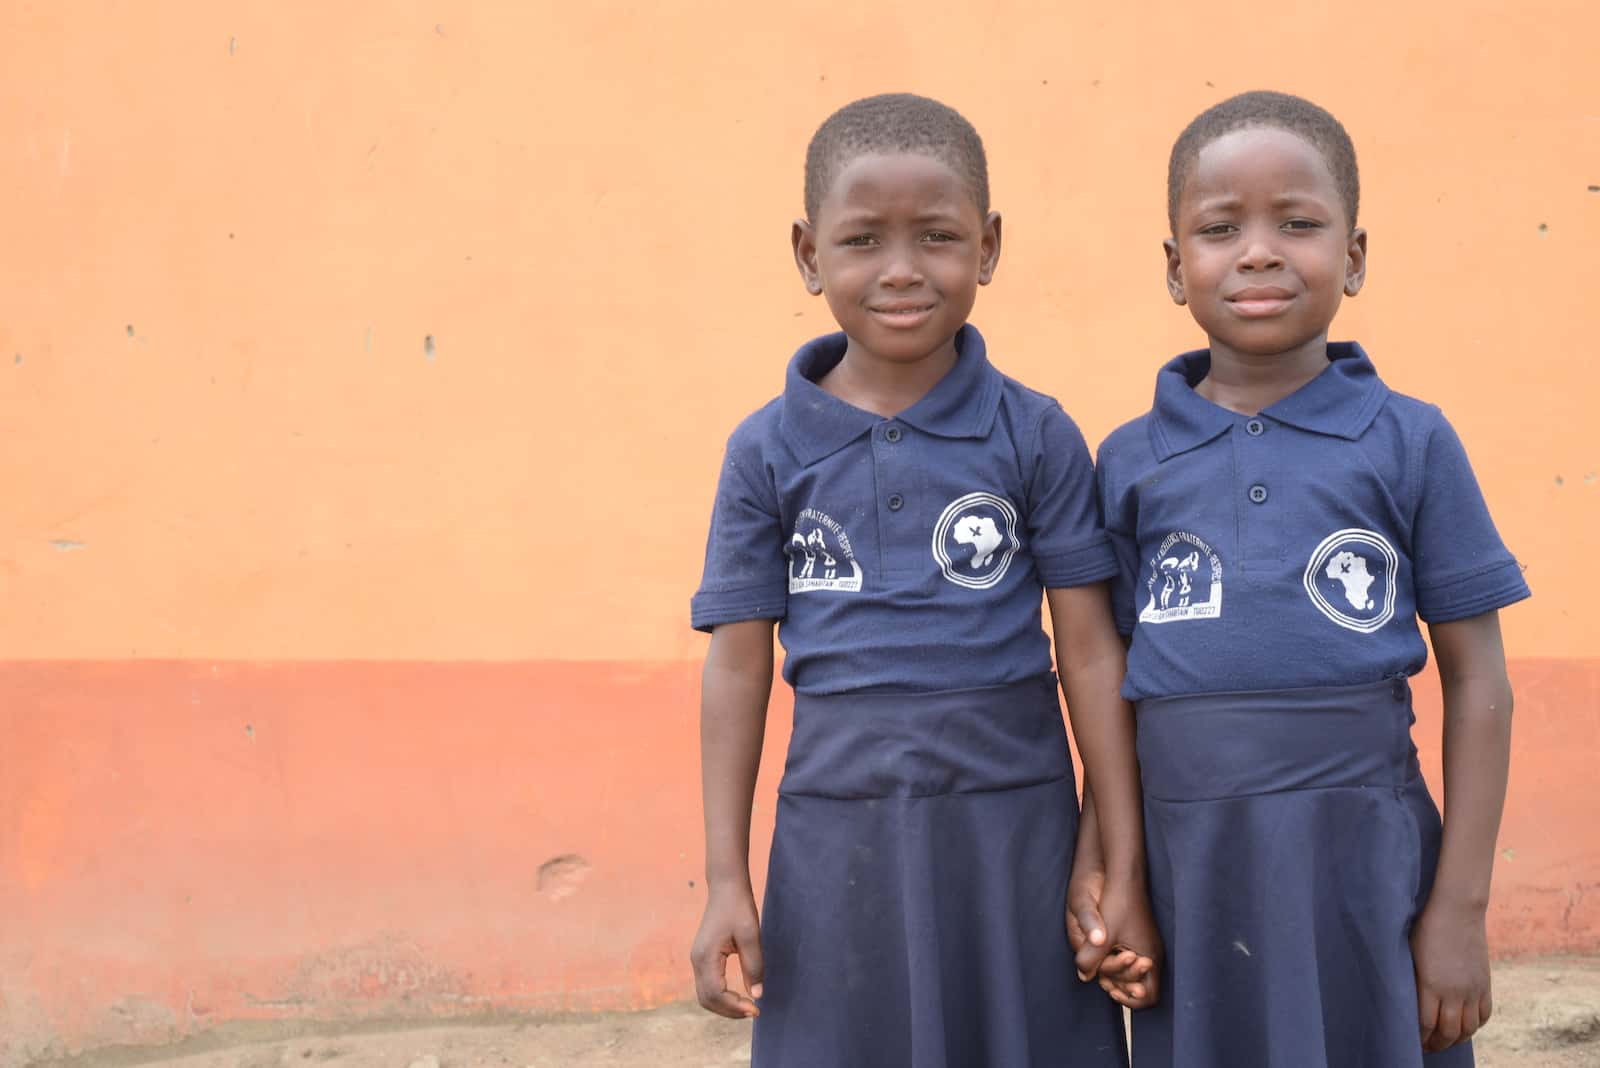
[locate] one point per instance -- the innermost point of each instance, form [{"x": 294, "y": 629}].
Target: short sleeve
[
  {"x": 745, "y": 575},
  {"x": 1461, "y": 568},
  {"x": 1069, "y": 548},
  {"x": 1118, "y": 514}
]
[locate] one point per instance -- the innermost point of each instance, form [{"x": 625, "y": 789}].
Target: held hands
[
  {"x": 1450, "y": 949},
  {"x": 730, "y": 927},
  {"x": 1131, "y": 976}
]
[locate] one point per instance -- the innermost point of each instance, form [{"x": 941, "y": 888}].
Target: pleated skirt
[
  {"x": 1292, "y": 843},
  {"x": 916, "y": 896}
]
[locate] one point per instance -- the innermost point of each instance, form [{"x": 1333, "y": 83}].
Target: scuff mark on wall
[
  {"x": 387, "y": 974},
  {"x": 561, "y": 876}
]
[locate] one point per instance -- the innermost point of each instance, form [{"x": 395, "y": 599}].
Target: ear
[
  {"x": 804, "y": 240},
  {"x": 1355, "y": 262},
  {"x": 989, "y": 247},
  {"x": 1174, "y": 271}
]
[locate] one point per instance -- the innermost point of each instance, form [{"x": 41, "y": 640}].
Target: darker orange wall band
[{"x": 189, "y": 843}]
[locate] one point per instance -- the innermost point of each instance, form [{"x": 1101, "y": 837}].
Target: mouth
[
  {"x": 903, "y": 314},
  {"x": 1260, "y": 302}
]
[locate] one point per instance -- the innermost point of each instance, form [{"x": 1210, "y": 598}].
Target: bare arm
[
  {"x": 1449, "y": 944},
  {"x": 736, "y": 684},
  {"x": 1092, "y": 660}
]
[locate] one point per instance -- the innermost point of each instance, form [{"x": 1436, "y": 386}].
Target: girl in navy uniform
[
  {"x": 897, "y": 511},
  {"x": 1283, "y": 519}
]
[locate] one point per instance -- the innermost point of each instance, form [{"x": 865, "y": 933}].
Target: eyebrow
[
  {"x": 864, "y": 218},
  {"x": 1233, "y": 200}
]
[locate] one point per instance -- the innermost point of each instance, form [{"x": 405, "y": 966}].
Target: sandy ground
[{"x": 1547, "y": 1015}]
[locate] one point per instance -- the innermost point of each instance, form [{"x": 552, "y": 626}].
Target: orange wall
[{"x": 321, "y": 639}]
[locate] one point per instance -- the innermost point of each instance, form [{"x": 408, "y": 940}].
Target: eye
[
  {"x": 860, "y": 241},
  {"x": 1218, "y": 229},
  {"x": 1302, "y": 224},
  {"x": 939, "y": 236}
]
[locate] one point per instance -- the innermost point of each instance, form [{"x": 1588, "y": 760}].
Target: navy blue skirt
[
  {"x": 1292, "y": 843},
  {"x": 916, "y": 899}
]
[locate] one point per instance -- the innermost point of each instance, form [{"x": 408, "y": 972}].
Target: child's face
[
  {"x": 899, "y": 250},
  {"x": 1263, "y": 251}
]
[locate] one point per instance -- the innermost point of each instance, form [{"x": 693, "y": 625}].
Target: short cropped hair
[
  {"x": 1264, "y": 108},
  {"x": 895, "y": 122}
]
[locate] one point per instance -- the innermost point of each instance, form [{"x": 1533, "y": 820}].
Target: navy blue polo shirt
[
  {"x": 903, "y": 554},
  {"x": 1297, "y": 547}
]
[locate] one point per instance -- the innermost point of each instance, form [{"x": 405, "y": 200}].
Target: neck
[
  {"x": 1248, "y": 382},
  {"x": 886, "y": 387}
]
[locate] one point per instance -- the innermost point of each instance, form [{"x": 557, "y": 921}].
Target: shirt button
[
  {"x": 1258, "y": 493},
  {"x": 896, "y": 502},
  {"x": 892, "y": 435},
  {"x": 1255, "y": 428}
]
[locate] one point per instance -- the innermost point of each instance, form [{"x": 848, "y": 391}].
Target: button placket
[
  {"x": 893, "y": 448},
  {"x": 1259, "y": 463},
  {"x": 892, "y": 434}
]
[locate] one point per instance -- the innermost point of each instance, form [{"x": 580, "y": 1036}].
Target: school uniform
[
  {"x": 1272, "y": 572},
  {"x": 916, "y": 895}
]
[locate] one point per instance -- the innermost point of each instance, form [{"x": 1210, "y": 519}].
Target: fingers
[
  {"x": 1471, "y": 1018},
  {"x": 1152, "y": 985},
  {"x": 711, "y": 985},
  {"x": 1131, "y": 996},
  {"x": 1126, "y": 965},
  {"x": 751, "y": 961},
  {"x": 1086, "y": 933},
  {"x": 1088, "y": 960},
  {"x": 1447, "y": 1032},
  {"x": 1427, "y": 1015},
  {"x": 1129, "y": 979},
  {"x": 1094, "y": 927}
]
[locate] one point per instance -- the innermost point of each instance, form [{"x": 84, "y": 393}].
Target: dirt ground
[{"x": 1547, "y": 1015}]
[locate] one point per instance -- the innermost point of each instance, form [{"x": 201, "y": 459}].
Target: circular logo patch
[
  {"x": 1351, "y": 577},
  {"x": 975, "y": 539}
]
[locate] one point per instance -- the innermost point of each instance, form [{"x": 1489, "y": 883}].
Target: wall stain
[
  {"x": 561, "y": 876},
  {"x": 388, "y": 970}
]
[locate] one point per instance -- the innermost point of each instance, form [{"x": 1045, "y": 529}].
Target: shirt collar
[
  {"x": 1341, "y": 402},
  {"x": 962, "y": 404}
]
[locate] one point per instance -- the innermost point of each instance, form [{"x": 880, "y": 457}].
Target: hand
[
  {"x": 1131, "y": 972},
  {"x": 1450, "y": 949},
  {"x": 730, "y": 927},
  {"x": 1121, "y": 971},
  {"x": 1086, "y": 930}
]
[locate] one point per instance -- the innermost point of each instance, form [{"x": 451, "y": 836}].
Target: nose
[
  {"x": 1260, "y": 253},
  {"x": 900, "y": 267}
]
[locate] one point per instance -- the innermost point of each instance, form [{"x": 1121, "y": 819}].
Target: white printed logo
[
  {"x": 1350, "y": 578},
  {"x": 1185, "y": 581},
  {"x": 817, "y": 549},
  {"x": 975, "y": 539}
]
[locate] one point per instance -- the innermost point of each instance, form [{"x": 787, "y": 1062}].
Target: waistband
[
  {"x": 859, "y": 746},
  {"x": 1206, "y": 747}
]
